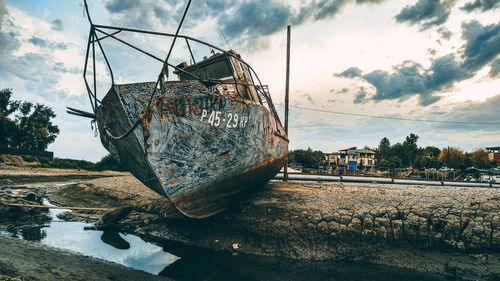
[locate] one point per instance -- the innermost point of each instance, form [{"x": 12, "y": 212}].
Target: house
[
  {"x": 494, "y": 154},
  {"x": 365, "y": 157},
  {"x": 332, "y": 159},
  {"x": 351, "y": 159}
]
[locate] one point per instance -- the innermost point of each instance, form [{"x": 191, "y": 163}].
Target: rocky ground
[{"x": 453, "y": 231}]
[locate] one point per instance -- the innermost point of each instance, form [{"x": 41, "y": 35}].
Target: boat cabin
[{"x": 231, "y": 75}]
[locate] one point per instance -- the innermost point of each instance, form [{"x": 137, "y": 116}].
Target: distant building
[
  {"x": 494, "y": 154},
  {"x": 332, "y": 159},
  {"x": 351, "y": 159},
  {"x": 366, "y": 157}
]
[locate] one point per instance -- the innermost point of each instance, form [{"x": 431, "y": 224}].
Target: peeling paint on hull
[{"x": 201, "y": 149}]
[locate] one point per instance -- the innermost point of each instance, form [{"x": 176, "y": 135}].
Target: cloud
[
  {"x": 360, "y": 96},
  {"x": 242, "y": 22},
  {"x": 495, "y": 69},
  {"x": 3, "y": 9},
  {"x": 351, "y": 72},
  {"x": 9, "y": 41},
  {"x": 482, "y": 46},
  {"x": 426, "y": 13},
  {"x": 410, "y": 78},
  {"x": 482, "y": 5},
  {"x": 486, "y": 111},
  {"x": 42, "y": 43},
  {"x": 445, "y": 33},
  {"x": 57, "y": 25}
]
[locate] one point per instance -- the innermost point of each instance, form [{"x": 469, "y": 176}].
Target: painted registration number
[{"x": 229, "y": 120}]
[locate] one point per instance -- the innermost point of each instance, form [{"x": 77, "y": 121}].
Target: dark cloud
[
  {"x": 482, "y": 5},
  {"x": 38, "y": 42},
  {"x": 117, "y": 6},
  {"x": 426, "y": 13},
  {"x": 57, "y": 25},
  {"x": 351, "y": 72},
  {"x": 495, "y": 69},
  {"x": 482, "y": 46},
  {"x": 242, "y": 22},
  {"x": 410, "y": 78},
  {"x": 361, "y": 96},
  {"x": 42, "y": 43}
]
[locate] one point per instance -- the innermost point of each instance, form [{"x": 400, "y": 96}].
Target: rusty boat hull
[{"x": 201, "y": 149}]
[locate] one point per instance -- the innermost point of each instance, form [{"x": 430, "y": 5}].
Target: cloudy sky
[{"x": 424, "y": 59}]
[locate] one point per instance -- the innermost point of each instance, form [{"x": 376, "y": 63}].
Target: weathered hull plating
[{"x": 201, "y": 150}]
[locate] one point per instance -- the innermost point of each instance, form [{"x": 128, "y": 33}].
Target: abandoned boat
[{"x": 203, "y": 140}]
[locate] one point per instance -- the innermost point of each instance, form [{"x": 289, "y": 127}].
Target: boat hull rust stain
[{"x": 201, "y": 149}]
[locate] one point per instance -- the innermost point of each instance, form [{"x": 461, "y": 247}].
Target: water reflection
[
  {"x": 198, "y": 264},
  {"x": 34, "y": 233},
  {"x": 114, "y": 239}
]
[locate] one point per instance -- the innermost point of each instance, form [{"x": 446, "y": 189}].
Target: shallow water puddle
[{"x": 128, "y": 250}]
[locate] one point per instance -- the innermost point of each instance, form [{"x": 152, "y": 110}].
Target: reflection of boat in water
[{"x": 202, "y": 141}]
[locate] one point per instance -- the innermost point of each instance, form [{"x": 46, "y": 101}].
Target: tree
[
  {"x": 431, "y": 151},
  {"x": 393, "y": 162},
  {"x": 384, "y": 148},
  {"x": 31, "y": 128},
  {"x": 410, "y": 149},
  {"x": 480, "y": 159},
  {"x": 108, "y": 162},
  {"x": 308, "y": 158},
  {"x": 452, "y": 157},
  {"x": 426, "y": 162}
]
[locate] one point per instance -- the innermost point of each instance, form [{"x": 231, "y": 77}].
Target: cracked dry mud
[
  {"x": 445, "y": 217},
  {"x": 428, "y": 228}
]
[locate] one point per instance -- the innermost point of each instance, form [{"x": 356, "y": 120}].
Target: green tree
[
  {"x": 452, "y": 157},
  {"x": 409, "y": 150},
  {"x": 108, "y": 162},
  {"x": 393, "y": 162},
  {"x": 384, "y": 148},
  {"x": 426, "y": 162},
  {"x": 480, "y": 159},
  {"x": 31, "y": 128},
  {"x": 307, "y": 158},
  {"x": 431, "y": 151}
]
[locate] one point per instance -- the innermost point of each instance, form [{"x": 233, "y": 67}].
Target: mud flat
[
  {"x": 23, "y": 260},
  {"x": 21, "y": 175},
  {"x": 453, "y": 231}
]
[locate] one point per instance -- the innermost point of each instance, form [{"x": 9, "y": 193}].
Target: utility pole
[{"x": 288, "y": 31}]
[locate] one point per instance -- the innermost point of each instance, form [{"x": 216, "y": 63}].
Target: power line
[{"x": 394, "y": 118}]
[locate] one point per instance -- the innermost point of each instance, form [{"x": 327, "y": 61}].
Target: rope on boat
[{"x": 57, "y": 207}]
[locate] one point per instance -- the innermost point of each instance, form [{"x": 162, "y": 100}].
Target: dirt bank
[
  {"x": 23, "y": 260},
  {"x": 20, "y": 175},
  {"x": 451, "y": 230}
]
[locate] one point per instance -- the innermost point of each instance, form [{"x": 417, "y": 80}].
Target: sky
[{"x": 424, "y": 59}]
